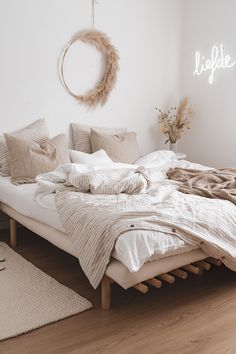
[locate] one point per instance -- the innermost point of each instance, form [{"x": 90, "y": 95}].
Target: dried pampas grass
[
  {"x": 99, "y": 94},
  {"x": 176, "y": 121}
]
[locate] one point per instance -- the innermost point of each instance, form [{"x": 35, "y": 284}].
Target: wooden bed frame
[{"x": 151, "y": 274}]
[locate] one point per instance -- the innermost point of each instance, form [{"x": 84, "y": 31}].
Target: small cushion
[
  {"x": 120, "y": 147},
  {"x": 37, "y": 132},
  {"x": 99, "y": 157},
  {"x": 81, "y": 135},
  {"x": 27, "y": 160}
]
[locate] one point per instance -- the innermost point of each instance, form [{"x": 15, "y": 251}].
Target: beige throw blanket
[
  {"x": 94, "y": 222},
  {"x": 209, "y": 184}
]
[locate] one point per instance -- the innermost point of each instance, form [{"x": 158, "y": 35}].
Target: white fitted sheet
[
  {"x": 133, "y": 248},
  {"x": 21, "y": 198}
]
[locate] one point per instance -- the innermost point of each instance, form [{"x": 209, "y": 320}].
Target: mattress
[{"x": 133, "y": 248}]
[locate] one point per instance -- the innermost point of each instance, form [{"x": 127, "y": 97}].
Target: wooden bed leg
[
  {"x": 13, "y": 236},
  {"x": 106, "y": 292}
]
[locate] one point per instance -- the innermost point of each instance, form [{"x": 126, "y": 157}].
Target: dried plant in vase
[{"x": 175, "y": 122}]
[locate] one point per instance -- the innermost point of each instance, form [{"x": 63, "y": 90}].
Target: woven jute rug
[{"x": 30, "y": 299}]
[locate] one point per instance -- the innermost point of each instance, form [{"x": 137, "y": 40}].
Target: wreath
[{"x": 99, "y": 94}]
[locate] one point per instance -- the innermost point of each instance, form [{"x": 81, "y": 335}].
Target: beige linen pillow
[
  {"x": 27, "y": 160},
  {"x": 120, "y": 148},
  {"x": 37, "y": 132},
  {"x": 81, "y": 135}
]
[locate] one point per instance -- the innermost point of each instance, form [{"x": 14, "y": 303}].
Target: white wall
[
  {"x": 211, "y": 139},
  {"x": 32, "y": 35}
]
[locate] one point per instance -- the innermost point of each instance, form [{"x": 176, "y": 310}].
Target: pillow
[
  {"x": 27, "y": 160},
  {"x": 120, "y": 147},
  {"x": 97, "y": 158},
  {"x": 157, "y": 158},
  {"x": 81, "y": 135},
  {"x": 37, "y": 132}
]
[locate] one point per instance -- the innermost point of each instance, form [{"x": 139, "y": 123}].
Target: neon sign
[{"x": 217, "y": 60}]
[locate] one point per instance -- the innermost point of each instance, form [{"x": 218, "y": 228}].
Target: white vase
[{"x": 173, "y": 147}]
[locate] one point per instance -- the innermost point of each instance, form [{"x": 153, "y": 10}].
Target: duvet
[{"x": 94, "y": 221}]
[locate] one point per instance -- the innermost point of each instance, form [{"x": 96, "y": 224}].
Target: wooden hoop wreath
[{"x": 99, "y": 94}]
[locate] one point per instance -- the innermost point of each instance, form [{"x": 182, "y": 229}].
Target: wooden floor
[{"x": 197, "y": 315}]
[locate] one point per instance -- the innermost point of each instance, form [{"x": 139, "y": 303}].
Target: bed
[
  {"x": 154, "y": 231},
  {"x": 19, "y": 204}
]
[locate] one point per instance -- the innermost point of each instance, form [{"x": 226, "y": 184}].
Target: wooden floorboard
[{"x": 197, "y": 315}]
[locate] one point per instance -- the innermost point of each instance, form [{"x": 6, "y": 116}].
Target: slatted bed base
[
  {"x": 196, "y": 268},
  {"x": 116, "y": 272}
]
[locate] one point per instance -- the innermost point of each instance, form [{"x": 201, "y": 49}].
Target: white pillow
[
  {"x": 99, "y": 157},
  {"x": 157, "y": 158}
]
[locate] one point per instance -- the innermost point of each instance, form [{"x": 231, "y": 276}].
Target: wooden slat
[
  {"x": 154, "y": 282},
  {"x": 170, "y": 279},
  {"x": 216, "y": 262},
  {"x": 204, "y": 265},
  {"x": 191, "y": 269},
  {"x": 142, "y": 288},
  {"x": 180, "y": 273}
]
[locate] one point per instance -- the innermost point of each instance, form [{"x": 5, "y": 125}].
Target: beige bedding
[
  {"x": 115, "y": 270},
  {"x": 209, "y": 184},
  {"x": 100, "y": 219}
]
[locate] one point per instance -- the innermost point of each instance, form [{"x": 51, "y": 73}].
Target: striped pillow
[
  {"x": 81, "y": 135},
  {"x": 29, "y": 159},
  {"x": 35, "y": 132}
]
